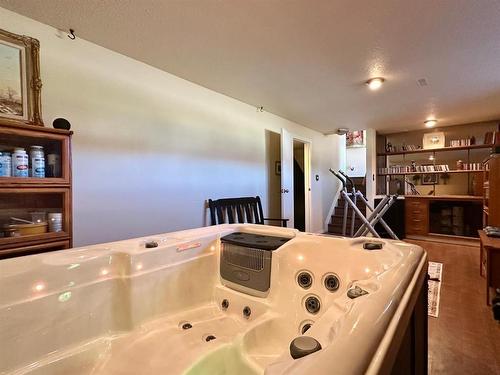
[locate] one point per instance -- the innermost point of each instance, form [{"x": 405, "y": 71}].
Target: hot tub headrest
[{"x": 255, "y": 241}]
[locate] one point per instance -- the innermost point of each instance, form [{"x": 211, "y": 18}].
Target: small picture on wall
[
  {"x": 430, "y": 179},
  {"x": 355, "y": 138},
  {"x": 277, "y": 168}
]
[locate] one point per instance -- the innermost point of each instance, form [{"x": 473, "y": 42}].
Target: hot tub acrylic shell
[{"x": 119, "y": 308}]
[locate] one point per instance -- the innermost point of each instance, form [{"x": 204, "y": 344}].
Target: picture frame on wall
[
  {"x": 20, "y": 82},
  {"x": 430, "y": 179},
  {"x": 355, "y": 138},
  {"x": 433, "y": 140}
]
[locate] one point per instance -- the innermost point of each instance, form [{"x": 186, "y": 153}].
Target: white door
[{"x": 287, "y": 177}]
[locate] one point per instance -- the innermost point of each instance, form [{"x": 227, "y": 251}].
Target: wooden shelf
[
  {"x": 477, "y": 198},
  {"x": 419, "y": 151},
  {"x": 8, "y": 242},
  {"x": 491, "y": 206},
  {"x": 434, "y": 172},
  {"x": 33, "y": 182},
  {"x": 33, "y": 128},
  {"x": 19, "y": 196}
]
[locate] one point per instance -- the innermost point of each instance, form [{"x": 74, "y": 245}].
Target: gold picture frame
[{"x": 20, "y": 82}]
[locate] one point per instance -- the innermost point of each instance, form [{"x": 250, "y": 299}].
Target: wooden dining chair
[{"x": 239, "y": 210}]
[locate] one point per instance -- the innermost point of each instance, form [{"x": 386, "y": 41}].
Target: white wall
[
  {"x": 149, "y": 148},
  {"x": 356, "y": 161}
]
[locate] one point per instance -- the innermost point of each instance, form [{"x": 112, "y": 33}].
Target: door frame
[
  {"x": 307, "y": 179},
  {"x": 307, "y": 173}
]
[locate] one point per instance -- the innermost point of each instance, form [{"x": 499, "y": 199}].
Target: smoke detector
[{"x": 422, "y": 82}]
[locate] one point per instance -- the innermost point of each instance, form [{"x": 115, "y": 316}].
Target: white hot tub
[{"x": 121, "y": 308}]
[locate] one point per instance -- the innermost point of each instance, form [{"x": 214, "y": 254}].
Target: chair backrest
[{"x": 236, "y": 210}]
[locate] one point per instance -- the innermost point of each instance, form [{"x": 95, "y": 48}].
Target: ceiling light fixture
[
  {"x": 375, "y": 83},
  {"x": 430, "y": 123}
]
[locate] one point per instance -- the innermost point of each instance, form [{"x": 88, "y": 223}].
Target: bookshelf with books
[
  {"x": 491, "y": 188},
  {"x": 454, "y": 167},
  {"x": 442, "y": 185}
]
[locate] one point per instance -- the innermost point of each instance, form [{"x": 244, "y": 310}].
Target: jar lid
[
  {"x": 19, "y": 149},
  {"x": 37, "y": 147}
]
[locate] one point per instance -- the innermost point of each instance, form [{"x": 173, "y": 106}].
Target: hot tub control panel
[{"x": 245, "y": 261}]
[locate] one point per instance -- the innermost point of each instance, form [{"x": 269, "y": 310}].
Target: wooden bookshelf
[
  {"x": 459, "y": 190},
  {"x": 491, "y": 187},
  {"x": 433, "y": 172},
  {"x": 442, "y": 149},
  {"x": 19, "y": 196}
]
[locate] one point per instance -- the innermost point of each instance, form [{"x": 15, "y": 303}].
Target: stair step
[
  {"x": 349, "y": 216},
  {"x": 338, "y": 227},
  {"x": 334, "y": 229},
  {"x": 359, "y": 203},
  {"x": 357, "y": 224}
]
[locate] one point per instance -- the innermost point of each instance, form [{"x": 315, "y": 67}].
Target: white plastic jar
[
  {"x": 37, "y": 158},
  {"x": 19, "y": 163},
  {"x": 5, "y": 164}
]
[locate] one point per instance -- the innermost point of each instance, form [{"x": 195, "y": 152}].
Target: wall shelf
[
  {"x": 8, "y": 242},
  {"x": 444, "y": 208},
  {"x": 434, "y": 172},
  {"x": 21, "y": 182},
  {"x": 442, "y": 149}
]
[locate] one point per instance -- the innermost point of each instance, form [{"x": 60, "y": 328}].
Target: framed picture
[
  {"x": 430, "y": 179},
  {"x": 20, "y": 83},
  {"x": 433, "y": 140},
  {"x": 355, "y": 138}
]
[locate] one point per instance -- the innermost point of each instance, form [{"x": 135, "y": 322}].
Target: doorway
[
  {"x": 273, "y": 162},
  {"x": 299, "y": 186},
  {"x": 288, "y": 178}
]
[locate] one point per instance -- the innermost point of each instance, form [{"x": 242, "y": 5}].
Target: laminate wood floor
[{"x": 464, "y": 339}]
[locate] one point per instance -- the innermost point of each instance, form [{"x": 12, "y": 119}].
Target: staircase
[{"x": 335, "y": 226}]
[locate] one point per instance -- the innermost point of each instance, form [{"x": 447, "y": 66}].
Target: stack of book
[
  {"x": 395, "y": 169},
  {"x": 411, "y": 147},
  {"x": 432, "y": 168},
  {"x": 461, "y": 142}
]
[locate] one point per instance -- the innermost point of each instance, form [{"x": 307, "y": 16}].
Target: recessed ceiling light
[
  {"x": 430, "y": 123},
  {"x": 375, "y": 83}
]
